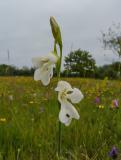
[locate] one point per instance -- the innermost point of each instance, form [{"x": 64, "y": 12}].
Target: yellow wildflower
[
  {"x": 2, "y": 119},
  {"x": 101, "y": 106},
  {"x": 31, "y": 102}
]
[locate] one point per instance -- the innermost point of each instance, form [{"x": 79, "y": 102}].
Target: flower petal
[
  {"x": 63, "y": 117},
  {"x": 63, "y": 85},
  {"x": 39, "y": 61},
  {"x": 67, "y": 112},
  {"x": 76, "y": 96},
  {"x": 45, "y": 79},
  {"x": 37, "y": 75},
  {"x": 46, "y": 74},
  {"x": 52, "y": 58},
  {"x": 51, "y": 71}
]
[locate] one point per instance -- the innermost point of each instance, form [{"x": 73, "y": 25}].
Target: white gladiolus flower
[
  {"x": 66, "y": 95},
  {"x": 44, "y": 65}
]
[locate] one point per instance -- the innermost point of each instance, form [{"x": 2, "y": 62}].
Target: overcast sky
[{"x": 25, "y": 28}]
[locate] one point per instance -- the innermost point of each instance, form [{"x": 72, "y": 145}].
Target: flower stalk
[
  {"x": 59, "y": 138},
  {"x": 59, "y": 127},
  {"x": 67, "y": 96},
  {"x": 57, "y": 40}
]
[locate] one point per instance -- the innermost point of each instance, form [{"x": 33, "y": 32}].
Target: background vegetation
[
  {"x": 29, "y": 121},
  {"x": 77, "y": 63}
]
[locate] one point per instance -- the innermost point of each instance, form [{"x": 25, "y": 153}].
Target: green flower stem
[
  {"x": 59, "y": 140},
  {"x": 55, "y": 50},
  {"x": 59, "y": 125},
  {"x": 60, "y": 56}
]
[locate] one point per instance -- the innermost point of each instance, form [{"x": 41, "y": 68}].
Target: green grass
[{"x": 30, "y": 131}]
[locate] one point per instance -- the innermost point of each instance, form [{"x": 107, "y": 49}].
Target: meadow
[{"x": 29, "y": 120}]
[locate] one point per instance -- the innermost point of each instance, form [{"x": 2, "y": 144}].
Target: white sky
[{"x": 25, "y": 29}]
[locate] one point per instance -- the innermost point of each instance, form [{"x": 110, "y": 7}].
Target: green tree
[
  {"x": 7, "y": 70},
  {"x": 112, "y": 40},
  {"x": 109, "y": 70},
  {"x": 79, "y": 63}
]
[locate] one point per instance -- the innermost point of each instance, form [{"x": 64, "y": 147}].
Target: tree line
[{"x": 78, "y": 63}]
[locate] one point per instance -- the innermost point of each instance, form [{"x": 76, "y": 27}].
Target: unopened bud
[{"x": 56, "y": 31}]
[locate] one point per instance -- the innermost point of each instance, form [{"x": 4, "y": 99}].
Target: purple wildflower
[
  {"x": 115, "y": 102},
  {"x": 113, "y": 153},
  {"x": 97, "y": 100}
]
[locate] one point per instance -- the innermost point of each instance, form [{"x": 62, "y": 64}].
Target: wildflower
[
  {"x": 31, "y": 102},
  {"x": 34, "y": 94},
  {"x": 97, "y": 100},
  {"x": 44, "y": 65},
  {"x": 101, "y": 106},
  {"x": 113, "y": 153},
  {"x": 114, "y": 103},
  {"x": 10, "y": 97},
  {"x": 66, "y": 95},
  {"x": 2, "y": 119}
]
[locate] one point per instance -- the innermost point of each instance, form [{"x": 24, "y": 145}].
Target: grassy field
[{"x": 29, "y": 121}]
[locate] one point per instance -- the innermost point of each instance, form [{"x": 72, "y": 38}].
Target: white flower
[
  {"x": 10, "y": 97},
  {"x": 44, "y": 65},
  {"x": 66, "y": 95}
]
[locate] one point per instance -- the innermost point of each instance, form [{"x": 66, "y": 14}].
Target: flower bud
[{"x": 56, "y": 31}]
